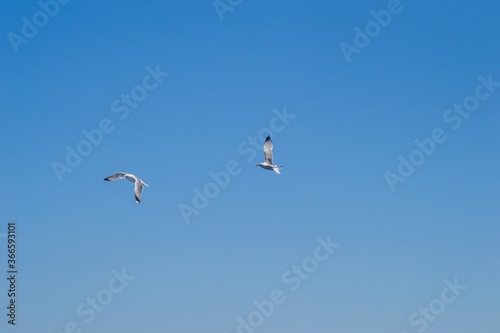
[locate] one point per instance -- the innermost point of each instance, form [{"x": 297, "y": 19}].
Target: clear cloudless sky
[{"x": 352, "y": 123}]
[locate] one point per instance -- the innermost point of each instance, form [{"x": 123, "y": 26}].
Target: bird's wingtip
[{"x": 268, "y": 138}]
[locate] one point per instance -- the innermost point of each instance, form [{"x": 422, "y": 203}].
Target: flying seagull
[
  {"x": 131, "y": 178},
  {"x": 268, "y": 155}
]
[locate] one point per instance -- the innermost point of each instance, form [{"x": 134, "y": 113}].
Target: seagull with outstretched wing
[
  {"x": 268, "y": 157},
  {"x": 131, "y": 178}
]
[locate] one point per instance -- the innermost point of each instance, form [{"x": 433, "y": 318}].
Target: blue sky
[{"x": 350, "y": 125}]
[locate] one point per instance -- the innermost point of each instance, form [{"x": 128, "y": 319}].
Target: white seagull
[
  {"x": 268, "y": 155},
  {"x": 131, "y": 178}
]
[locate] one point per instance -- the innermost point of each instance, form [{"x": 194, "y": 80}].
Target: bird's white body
[
  {"x": 270, "y": 167},
  {"x": 131, "y": 178},
  {"x": 268, "y": 156}
]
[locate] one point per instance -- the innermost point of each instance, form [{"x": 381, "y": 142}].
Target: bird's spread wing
[
  {"x": 116, "y": 176},
  {"x": 268, "y": 150},
  {"x": 138, "y": 190}
]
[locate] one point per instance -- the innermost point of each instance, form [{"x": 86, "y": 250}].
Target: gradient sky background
[{"x": 352, "y": 122}]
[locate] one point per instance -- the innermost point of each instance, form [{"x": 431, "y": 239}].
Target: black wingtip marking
[
  {"x": 268, "y": 138},
  {"x": 137, "y": 199},
  {"x": 107, "y": 179}
]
